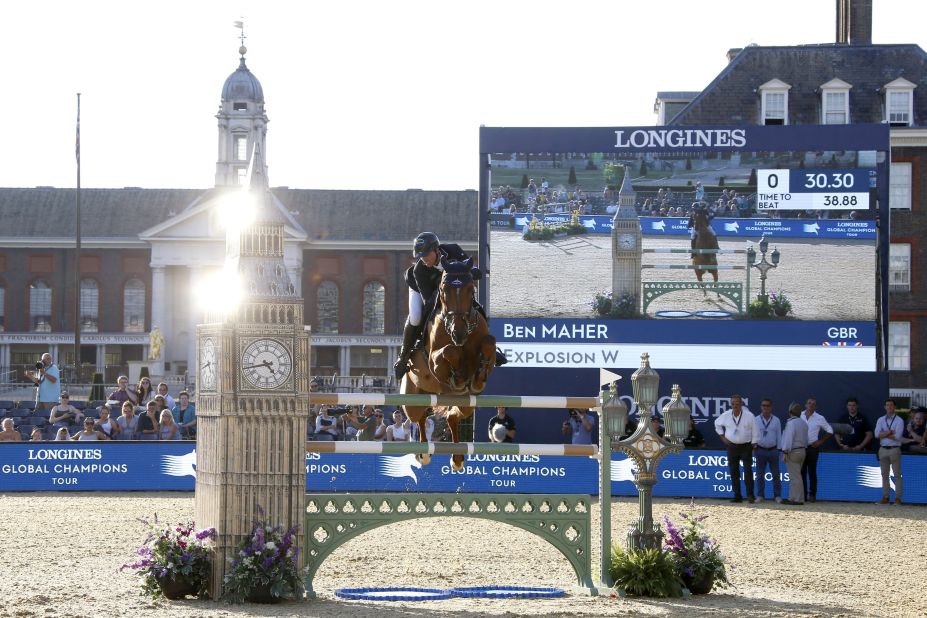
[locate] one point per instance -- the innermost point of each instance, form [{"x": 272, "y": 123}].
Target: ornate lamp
[
  {"x": 646, "y": 383},
  {"x": 614, "y": 411},
  {"x": 676, "y": 417}
]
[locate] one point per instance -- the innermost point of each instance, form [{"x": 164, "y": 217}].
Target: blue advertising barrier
[
  {"x": 748, "y": 229},
  {"x": 171, "y": 466}
]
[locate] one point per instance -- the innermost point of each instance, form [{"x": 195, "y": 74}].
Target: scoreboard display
[{"x": 821, "y": 189}]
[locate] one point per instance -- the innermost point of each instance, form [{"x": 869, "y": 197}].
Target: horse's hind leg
[{"x": 454, "y": 416}]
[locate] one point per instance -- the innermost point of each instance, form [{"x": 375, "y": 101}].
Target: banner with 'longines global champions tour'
[{"x": 151, "y": 466}]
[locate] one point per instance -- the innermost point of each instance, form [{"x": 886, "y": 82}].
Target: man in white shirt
[
  {"x": 737, "y": 430},
  {"x": 888, "y": 430},
  {"x": 819, "y": 431}
]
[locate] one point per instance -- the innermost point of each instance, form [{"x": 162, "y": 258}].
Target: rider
[
  {"x": 423, "y": 279},
  {"x": 697, "y": 207}
]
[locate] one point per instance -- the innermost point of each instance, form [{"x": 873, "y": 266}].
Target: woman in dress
[
  {"x": 169, "y": 430},
  {"x": 144, "y": 392},
  {"x": 128, "y": 422},
  {"x": 107, "y": 425},
  {"x": 89, "y": 433},
  {"x": 399, "y": 431}
]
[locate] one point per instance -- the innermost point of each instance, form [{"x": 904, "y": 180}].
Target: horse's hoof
[
  {"x": 455, "y": 465},
  {"x": 424, "y": 458}
]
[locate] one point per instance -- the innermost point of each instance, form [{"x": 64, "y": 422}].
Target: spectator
[
  {"x": 106, "y": 425},
  {"x": 379, "y": 433},
  {"x": 325, "y": 426},
  {"x": 64, "y": 413},
  {"x": 507, "y": 422},
  {"x": 792, "y": 443},
  {"x": 184, "y": 412},
  {"x": 768, "y": 432},
  {"x": 656, "y": 425},
  {"x": 162, "y": 390},
  {"x": 736, "y": 428},
  {"x": 860, "y": 431},
  {"x": 168, "y": 430},
  {"x": 128, "y": 422},
  {"x": 580, "y": 426},
  {"x": 365, "y": 423},
  {"x": 36, "y": 435},
  {"x": 429, "y": 429},
  {"x": 400, "y": 430},
  {"x": 819, "y": 430},
  {"x": 62, "y": 435},
  {"x": 47, "y": 379},
  {"x": 694, "y": 439},
  {"x": 89, "y": 433},
  {"x": 345, "y": 428},
  {"x": 9, "y": 434},
  {"x": 144, "y": 391},
  {"x": 162, "y": 403},
  {"x": 889, "y": 430},
  {"x": 914, "y": 433},
  {"x": 148, "y": 422},
  {"x": 122, "y": 392}
]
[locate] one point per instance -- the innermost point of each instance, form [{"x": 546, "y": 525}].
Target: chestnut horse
[
  {"x": 459, "y": 353},
  {"x": 705, "y": 239}
]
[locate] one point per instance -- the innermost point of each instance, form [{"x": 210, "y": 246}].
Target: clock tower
[
  {"x": 252, "y": 400},
  {"x": 626, "y": 243}
]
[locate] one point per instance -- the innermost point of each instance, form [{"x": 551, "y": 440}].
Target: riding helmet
[{"x": 425, "y": 243}]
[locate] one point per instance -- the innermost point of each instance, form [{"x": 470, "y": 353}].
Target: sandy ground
[
  {"x": 825, "y": 280},
  {"x": 60, "y": 556}
]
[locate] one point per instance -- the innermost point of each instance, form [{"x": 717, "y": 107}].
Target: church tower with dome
[{"x": 242, "y": 124}]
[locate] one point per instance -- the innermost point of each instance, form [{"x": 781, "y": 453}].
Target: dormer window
[
  {"x": 240, "y": 106},
  {"x": 774, "y": 108},
  {"x": 899, "y": 102},
  {"x": 835, "y": 102}
]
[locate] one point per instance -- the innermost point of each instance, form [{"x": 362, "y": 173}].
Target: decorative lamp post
[
  {"x": 645, "y": 447},
  {"x": 763, "y": 266}
]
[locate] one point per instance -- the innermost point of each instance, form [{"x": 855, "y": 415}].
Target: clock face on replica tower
[
  {"x": 208, "y": 364},
  {"x": 627, "y": 241},
  {"x": 266, "y": 364}
]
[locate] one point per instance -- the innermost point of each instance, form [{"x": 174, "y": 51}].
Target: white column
[
  {"x": 344, "y": 352},
  {"x": 101, "y": 358},
  {"x": 194, "y": 317},
  {"x": 5, "y": 357},
  {"x": 159, "y": 304}
]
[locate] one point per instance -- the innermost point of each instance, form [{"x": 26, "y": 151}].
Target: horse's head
[
  {"x": 457, "y": 293},
  {"x": 700, "y": 218}
]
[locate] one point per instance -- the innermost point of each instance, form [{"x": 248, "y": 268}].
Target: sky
[{"x": 360, "y": 94}]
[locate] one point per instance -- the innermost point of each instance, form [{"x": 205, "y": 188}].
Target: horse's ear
[
  {"x": 468, "y": 263},
  {"x": 443, "y": 262}
]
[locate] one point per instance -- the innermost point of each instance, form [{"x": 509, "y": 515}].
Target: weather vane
[{"x": 241, "y": 26}]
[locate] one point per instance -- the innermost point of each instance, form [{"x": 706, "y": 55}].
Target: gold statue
[{"x": 155, "y": 341}]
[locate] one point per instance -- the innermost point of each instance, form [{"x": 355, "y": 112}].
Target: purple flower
[{"x": 267, "y": 563}]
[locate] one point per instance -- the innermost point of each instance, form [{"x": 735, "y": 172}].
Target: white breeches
[{"x": 416, "y": 307}]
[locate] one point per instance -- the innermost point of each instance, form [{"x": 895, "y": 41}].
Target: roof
[
  {"x": 733, "y": 96},
  {"x": 324, "y": 214},
  {"x": 242, "y": 85}
]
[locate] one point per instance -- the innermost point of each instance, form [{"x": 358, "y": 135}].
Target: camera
[{"x": 39, "y": 365}]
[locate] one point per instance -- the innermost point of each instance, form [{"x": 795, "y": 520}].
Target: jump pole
[
  {"x": 453, "y": 448},
  {"x": 463, "y": 401}
]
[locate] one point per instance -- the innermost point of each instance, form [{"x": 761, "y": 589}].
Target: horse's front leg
[
  {"x": 445, "y": 364},
  {"x": 417, "y": 415},
  {"x": 486, "y": 361}
]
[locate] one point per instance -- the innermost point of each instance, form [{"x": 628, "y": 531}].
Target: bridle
[{"x": 449, "y": 317}]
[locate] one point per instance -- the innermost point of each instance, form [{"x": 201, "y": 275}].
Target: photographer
[
  {"x": 581, "y": 425},
  {"x": 46, "y": 379},
  {"x": 325, "y": 426}
]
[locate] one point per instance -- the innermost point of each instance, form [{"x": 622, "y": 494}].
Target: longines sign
[{"x": 680, "y": 138}]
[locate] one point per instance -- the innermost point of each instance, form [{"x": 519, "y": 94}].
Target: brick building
[{"x": 849, "y": 81}]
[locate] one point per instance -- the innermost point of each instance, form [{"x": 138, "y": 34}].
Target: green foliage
[
  {"x": 759, "y": 309},
  {"x": 780, "y": 304},
  {"x": 721, "y": 181},
  {"x": 645, "y": 573},
  {"x": 643, "y": 170},
  {"x": 143, "y": 372},
  {"x": 688, "y": 164},
  {"x": 614, "y": 175},
  {"x": 266, "y": 560},
  {"x": 624, "y": 307},
  {"x": 752, "y": 180},
  {"x": 96, "y": 391},
  {"x": 524, "y": 181},
  {"x": 572, "y": 179}
]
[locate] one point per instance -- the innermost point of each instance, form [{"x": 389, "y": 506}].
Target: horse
[
  {"x": 459, "y": 353},
  {"x": 705, "y": 239}
]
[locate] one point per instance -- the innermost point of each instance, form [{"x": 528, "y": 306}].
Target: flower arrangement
[
  {"x": 625, "y": 306},
  {"x": 698, "y": 558},
  {"x": 645, "y": 572},
  {"x": 265, "y": 568},
  {"x": 175, "y": 561},
  {"x": 780, "y": 304}
]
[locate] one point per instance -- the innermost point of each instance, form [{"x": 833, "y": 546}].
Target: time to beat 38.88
[{"x": 803, "y": 189}]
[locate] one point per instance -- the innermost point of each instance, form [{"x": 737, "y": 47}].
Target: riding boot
[
  {"x": 410, "y": 335},
  {"x": 500, "y": 357}
]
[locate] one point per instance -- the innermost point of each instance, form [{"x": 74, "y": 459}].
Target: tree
[
  {"x": 524, "y": 181},
  {"x": 688, "y": 164},
  {"x": 614, "y": 174},
  {"x": 572, "y": 179},
  {"x": 752, "y": 179}
]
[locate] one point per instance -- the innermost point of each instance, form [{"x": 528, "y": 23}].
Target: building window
[
  {"x": 899, "y": 346},
  {"x": 899, "y": 103},
  {"x": 835, "y": 102},
  {"x": 899, "y": 267},
  {"x": 374, "y": 308},
  {"x": 326, "y": 307},
  {"x": 775, "y": 102},
  {"x": 241, "y": 148},
  {"x": 40, "y": 302},
  {"x": 133, "y": 306},
  {"x": 899, "y": 186},
  {"x": 89, "y": 306},
  {"x": 2, "y": 314},
  {"x": 240, "y": 106},
  {"x": 241, "y": 176}
]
